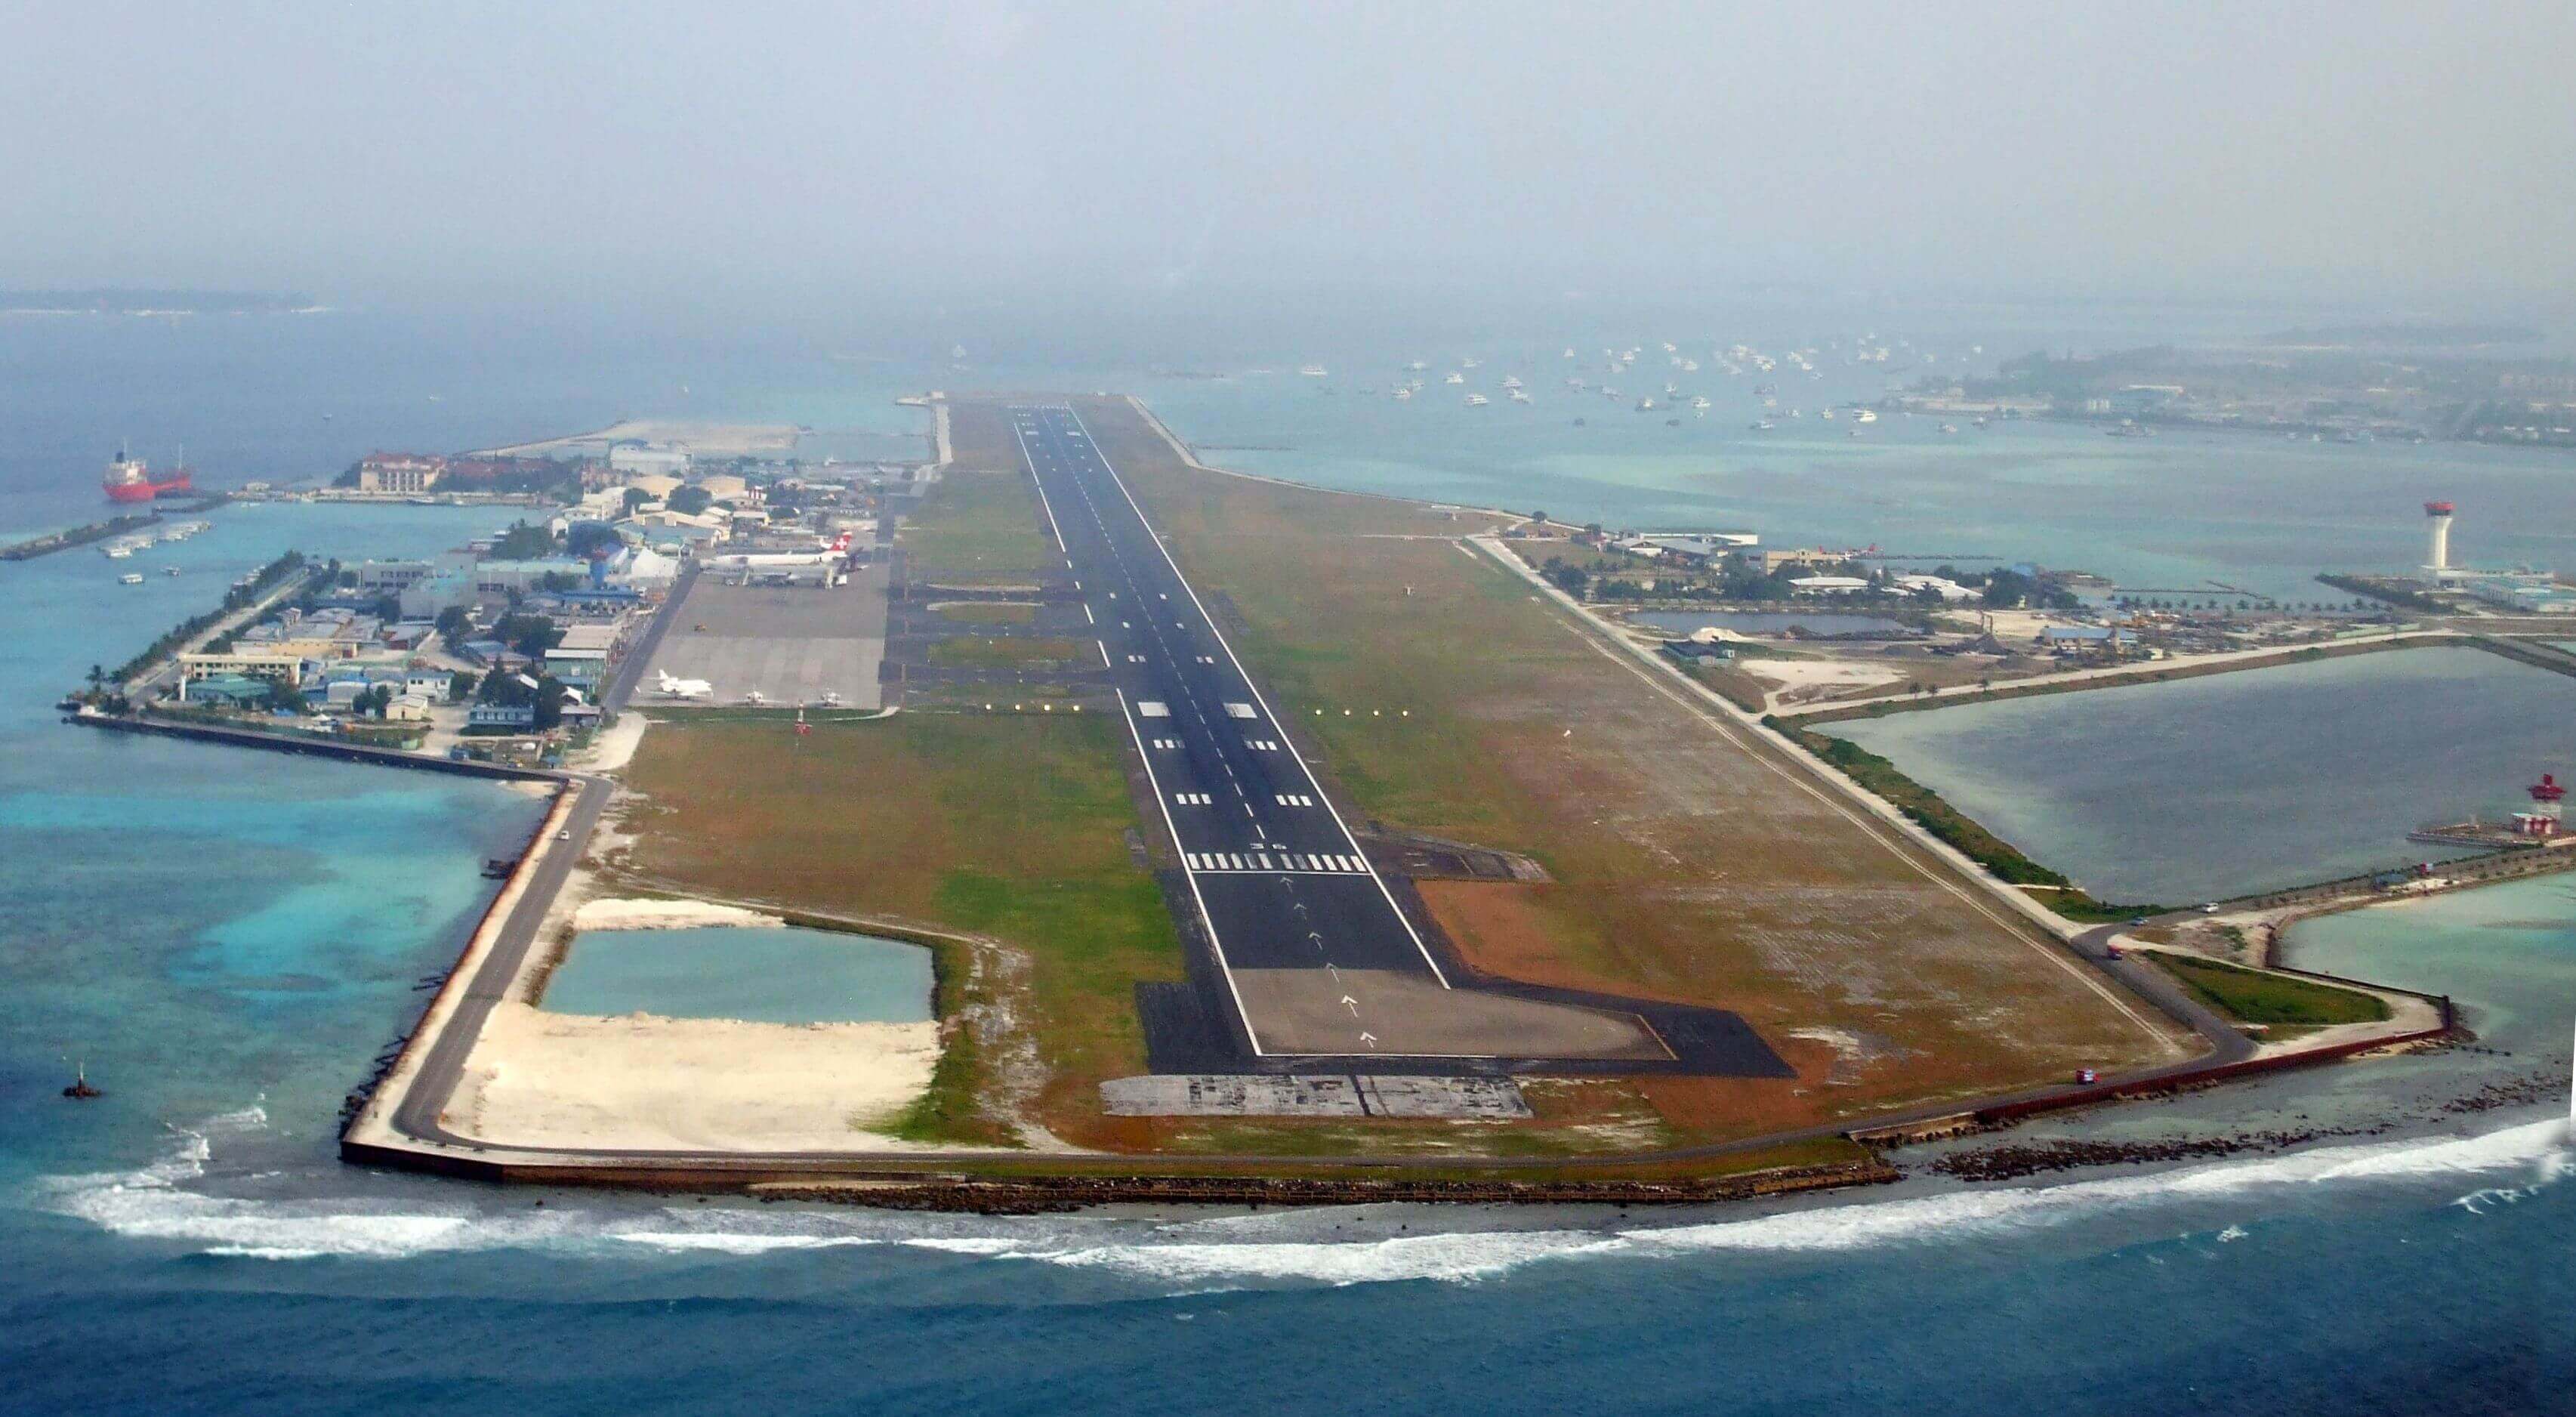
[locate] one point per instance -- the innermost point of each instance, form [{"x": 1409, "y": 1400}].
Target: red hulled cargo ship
[{"x": 129, "y": 479}]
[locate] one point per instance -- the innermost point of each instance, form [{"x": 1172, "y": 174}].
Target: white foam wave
[
  {"x": 737, "y": 1242},
  {"x": 965, "y": 1244},
  {"x": 1454, "y": 1258},
  {"x": 2539, "y": 1147},
  {"x": 156, "y": 1202}
]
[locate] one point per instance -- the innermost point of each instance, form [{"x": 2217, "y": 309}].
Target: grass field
[
  {"x": 1446, "y": 697},
  {"x": 2252, "y": 996},
  {"x": 980, "y": 525},
  {"x": 1012, "y": 652},
  {"x": 987, "y": 612}
]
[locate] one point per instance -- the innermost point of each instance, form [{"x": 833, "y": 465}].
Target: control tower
[{"x": 2437, "y": 558}]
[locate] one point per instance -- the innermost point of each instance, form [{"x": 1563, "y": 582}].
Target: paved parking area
[{"x": 793, "y": 644}]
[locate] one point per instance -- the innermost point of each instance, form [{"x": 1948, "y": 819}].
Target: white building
[
  {"x": 1948, "y": 589},
  {"x": 667, "y": 459},
  {"x": 1828, "y": 585}
]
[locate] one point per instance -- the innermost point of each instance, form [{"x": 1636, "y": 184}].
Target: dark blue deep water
[{"x": 227, "y": 942}]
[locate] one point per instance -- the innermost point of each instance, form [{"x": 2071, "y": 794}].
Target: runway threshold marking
[{"x": 1183, "y": 581}]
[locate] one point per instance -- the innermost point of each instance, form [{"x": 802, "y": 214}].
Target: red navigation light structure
[{"x": 2543, "y": 818}]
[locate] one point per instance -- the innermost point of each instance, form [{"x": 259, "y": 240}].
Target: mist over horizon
[{"x": 803, "y": 161}]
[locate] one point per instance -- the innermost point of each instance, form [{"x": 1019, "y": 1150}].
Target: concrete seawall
[{"x": 311, "y": 747}]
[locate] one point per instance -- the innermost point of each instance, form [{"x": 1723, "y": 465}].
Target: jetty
[{"x": 54, "y": 541}]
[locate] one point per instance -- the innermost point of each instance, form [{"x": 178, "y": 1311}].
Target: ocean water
[
  {"x": 2189, "y": 512},
  {"x": 228, "y": 941},
  {"x": 2228, "y": 784},
  {"x": 766, "y": 974}
]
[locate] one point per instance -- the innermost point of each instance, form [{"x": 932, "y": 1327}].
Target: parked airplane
[
  {"x": 685, "y": 688},
  {"x": 781, "y": 560}
]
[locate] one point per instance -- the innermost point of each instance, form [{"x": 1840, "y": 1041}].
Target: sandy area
[
  {"x": 1796, "y": 679},
  {"x": 630, "y": 914},
  {"x": 639, "y": 1082},
  {"x": 615, "y": 746}
]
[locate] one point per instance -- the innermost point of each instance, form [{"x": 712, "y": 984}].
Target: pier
[{"x": 52, "y": 542}]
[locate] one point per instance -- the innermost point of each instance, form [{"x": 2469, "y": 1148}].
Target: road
[{"x": 1279, "y": 882}]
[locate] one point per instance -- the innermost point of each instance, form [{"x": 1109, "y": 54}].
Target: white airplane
[
  {"x": 781, "y": 560},
  {"x": 831, "y": 699},
  {"x": 685, "y": 688},
  {"x": 755, "y": 698}
]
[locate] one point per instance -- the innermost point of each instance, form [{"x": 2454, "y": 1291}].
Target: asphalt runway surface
[{"x": 1315, "y": 956}]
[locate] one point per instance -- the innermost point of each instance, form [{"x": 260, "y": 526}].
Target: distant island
[
  {"x": 2419, "y": 334},
  {"x": 120, "y": 300}
]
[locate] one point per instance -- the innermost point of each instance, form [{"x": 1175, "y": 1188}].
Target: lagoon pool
[
  {"x": 2219, "y": 786},
  {"x": 762, "y": 974}
]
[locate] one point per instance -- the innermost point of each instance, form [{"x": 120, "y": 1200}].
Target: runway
[{"x": 1316, "y": 956}]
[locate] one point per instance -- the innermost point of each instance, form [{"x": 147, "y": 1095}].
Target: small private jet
[{"x": 671, "y": 688}]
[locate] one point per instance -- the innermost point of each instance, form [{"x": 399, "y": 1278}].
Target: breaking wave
[{"x": 1330, "y": 1247}]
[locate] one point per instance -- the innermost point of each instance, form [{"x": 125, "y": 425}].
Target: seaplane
[{"x": 671, "y": 688}]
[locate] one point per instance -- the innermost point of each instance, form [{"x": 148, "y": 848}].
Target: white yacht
[
  {"x": 1477, "y": 400},
  {"x": 1401, "y": 392},
  {"x": 1313, "y": 371},
  {"x": 1645, "y": 405},
  {"x": 1520, "y": 395},
  {"x": 1469, "y": 363},
  {"x": 1864, "y": 416},
  {"x": 1454, "y": 378},
  {"x": 1511, "y": 381},
  {"x": 130, "y": 578}
]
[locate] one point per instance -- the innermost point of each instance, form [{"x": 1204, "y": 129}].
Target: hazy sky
[{"x": 360, "y": 150}]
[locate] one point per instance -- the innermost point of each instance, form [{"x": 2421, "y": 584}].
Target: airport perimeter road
[
  {"x": 1315, "y": 954},
  {"x": 434, "y": 1082}
]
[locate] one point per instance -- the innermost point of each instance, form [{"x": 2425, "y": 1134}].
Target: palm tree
[{"x": 97, "y": 677}]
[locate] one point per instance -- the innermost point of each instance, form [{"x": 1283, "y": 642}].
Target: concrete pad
[
  {"x": 1226, "y": 1095},
  {"x": 1303, "y": 1011},
  {"x": 1482, "y": 1099},
  {"x": 793, "y": 644}
]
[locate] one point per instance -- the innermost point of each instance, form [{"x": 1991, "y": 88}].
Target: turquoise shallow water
[
  {"x": 2231, "y": 783},
  {"x": 229, "y": 940},
  {"x": 765, "y": 974}
]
